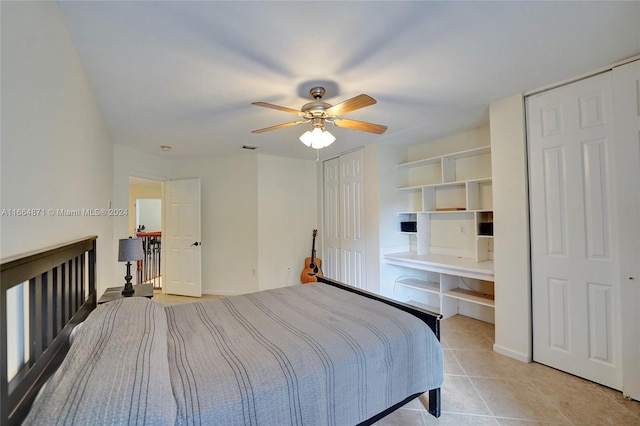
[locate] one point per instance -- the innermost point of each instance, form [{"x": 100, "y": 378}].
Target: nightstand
[{"x": 113, "y": 293}]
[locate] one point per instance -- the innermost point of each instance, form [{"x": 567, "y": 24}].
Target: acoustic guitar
[{"x": 311, "y": 264}]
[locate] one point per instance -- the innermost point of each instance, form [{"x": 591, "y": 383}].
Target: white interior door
[
  {"x": 181, "y": 238},
  {"x": 344, "y": 236},
  {"x": 575, "y": 274},
  {"x": 626, "y": 107},
  {"x": 331, "y": 257},
  {"x": 352, "y": 237}
]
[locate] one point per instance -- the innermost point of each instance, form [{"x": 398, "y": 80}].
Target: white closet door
[
  {"x": 626, "y": 107},
  {"x": 344, "y": 237},
  {"x": 331, "y": 259},
  {"x": 575, "y": 273},
  {"x": 352, "y": 238}
]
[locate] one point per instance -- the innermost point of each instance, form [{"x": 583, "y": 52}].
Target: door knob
[{"x": 197, "y": 243}]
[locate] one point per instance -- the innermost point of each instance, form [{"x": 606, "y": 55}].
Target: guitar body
[
  {"x": 312, "y": 269},
  {"x": 311, "y": 264}
]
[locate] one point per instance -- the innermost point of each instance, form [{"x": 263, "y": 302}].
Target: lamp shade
[
  {"x": 317, "y": 138},
  {"x": 130, "y": 249}
]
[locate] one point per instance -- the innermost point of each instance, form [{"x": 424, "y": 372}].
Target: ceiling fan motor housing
[
  {"x": 317, "y": 92},
  {"x": 316, "y": 109}
]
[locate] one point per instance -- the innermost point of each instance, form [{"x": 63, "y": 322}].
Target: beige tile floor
[{"x": 485, "y": 388}]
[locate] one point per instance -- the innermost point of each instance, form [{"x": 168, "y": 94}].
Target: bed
[{"x": 323, "y": 353}]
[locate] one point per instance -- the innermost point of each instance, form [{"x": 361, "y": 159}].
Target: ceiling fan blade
[
  {"x": 278, "y": 107},
  {"x": 352, "y": 104},
  {"x": 360, "y": 125},
  {"x": 278, "y": 126}
]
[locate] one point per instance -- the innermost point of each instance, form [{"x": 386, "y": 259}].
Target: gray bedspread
[
  {"x": 116, "y": 371},
  {"x": 308, "y": 354}
]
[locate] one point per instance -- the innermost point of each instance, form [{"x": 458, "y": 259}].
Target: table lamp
[{"x": 129, "y": 249}]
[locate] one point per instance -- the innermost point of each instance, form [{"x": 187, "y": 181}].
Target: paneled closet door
[
  {"x": 344, "y": 218},
  {"x": 352, "y": 237},
  {"x": 574, "y": 210},
  {"x": 331, "y": 232}
]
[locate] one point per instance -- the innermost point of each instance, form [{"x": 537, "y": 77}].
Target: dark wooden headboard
[{"x": 59, "y": 288}]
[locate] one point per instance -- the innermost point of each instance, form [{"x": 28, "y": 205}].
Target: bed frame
[
  {"x": 61, "y": 283},
  {"x": 61, "y": 286}
]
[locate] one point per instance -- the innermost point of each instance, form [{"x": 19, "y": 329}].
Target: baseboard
[{"x": 511, "y": 353}]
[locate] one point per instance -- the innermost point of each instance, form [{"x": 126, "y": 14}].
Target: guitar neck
[{"x": 313, "y": 245}]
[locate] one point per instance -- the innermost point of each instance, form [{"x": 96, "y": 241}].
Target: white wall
[
  {"x": 148, "y": 212},
  {"x": 511, "y": 222},
  {"x": 56, "y": 151},
  {"x": 229, "y": 220},
  {"x": 287, "y": 215},
  {"x": 459, "y": 142},
  {"x": 257, "y": 214},
  {"x": 390, "y": 202},
  {"x": 372, "y": 164}
]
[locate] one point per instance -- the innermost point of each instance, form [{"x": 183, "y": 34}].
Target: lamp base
[{"x": 128, "y": 290}]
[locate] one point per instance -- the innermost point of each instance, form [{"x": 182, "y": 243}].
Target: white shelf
[
  {"x": 455, "y": 156},
  {"x": 447, "y": 238},
  {"x": 446, "y": 211},
  {"x": 445, "y": 184},
  {"x": 471, "y": 296},
  {"x": 419, "y": 284},
  {"x": 410, "y": 188}
]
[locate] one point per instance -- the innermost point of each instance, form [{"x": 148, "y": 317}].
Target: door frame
[{"x": 627, "y": 103}]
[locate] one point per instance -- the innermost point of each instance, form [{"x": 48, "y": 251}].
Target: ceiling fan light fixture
[{"x": 317, "y": 138}]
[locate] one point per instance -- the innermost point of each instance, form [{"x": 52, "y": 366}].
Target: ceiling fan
[{"x": 318, "y": 113}]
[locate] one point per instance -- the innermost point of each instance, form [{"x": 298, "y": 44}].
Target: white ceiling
[{"x": 184, "y": 74}]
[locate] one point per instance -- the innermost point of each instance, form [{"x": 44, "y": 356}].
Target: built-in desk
[
  {"x": 445, "y": 264},
  {"x": 443, "y": 295}
]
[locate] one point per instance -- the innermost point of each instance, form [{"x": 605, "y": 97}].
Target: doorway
[{"x": 145, "y": 202}]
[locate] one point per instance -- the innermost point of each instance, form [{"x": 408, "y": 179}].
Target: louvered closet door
[{"x": 575, "y": 277}]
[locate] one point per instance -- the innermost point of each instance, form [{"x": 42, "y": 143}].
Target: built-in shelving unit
[{"x": 451, "y": 201}]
